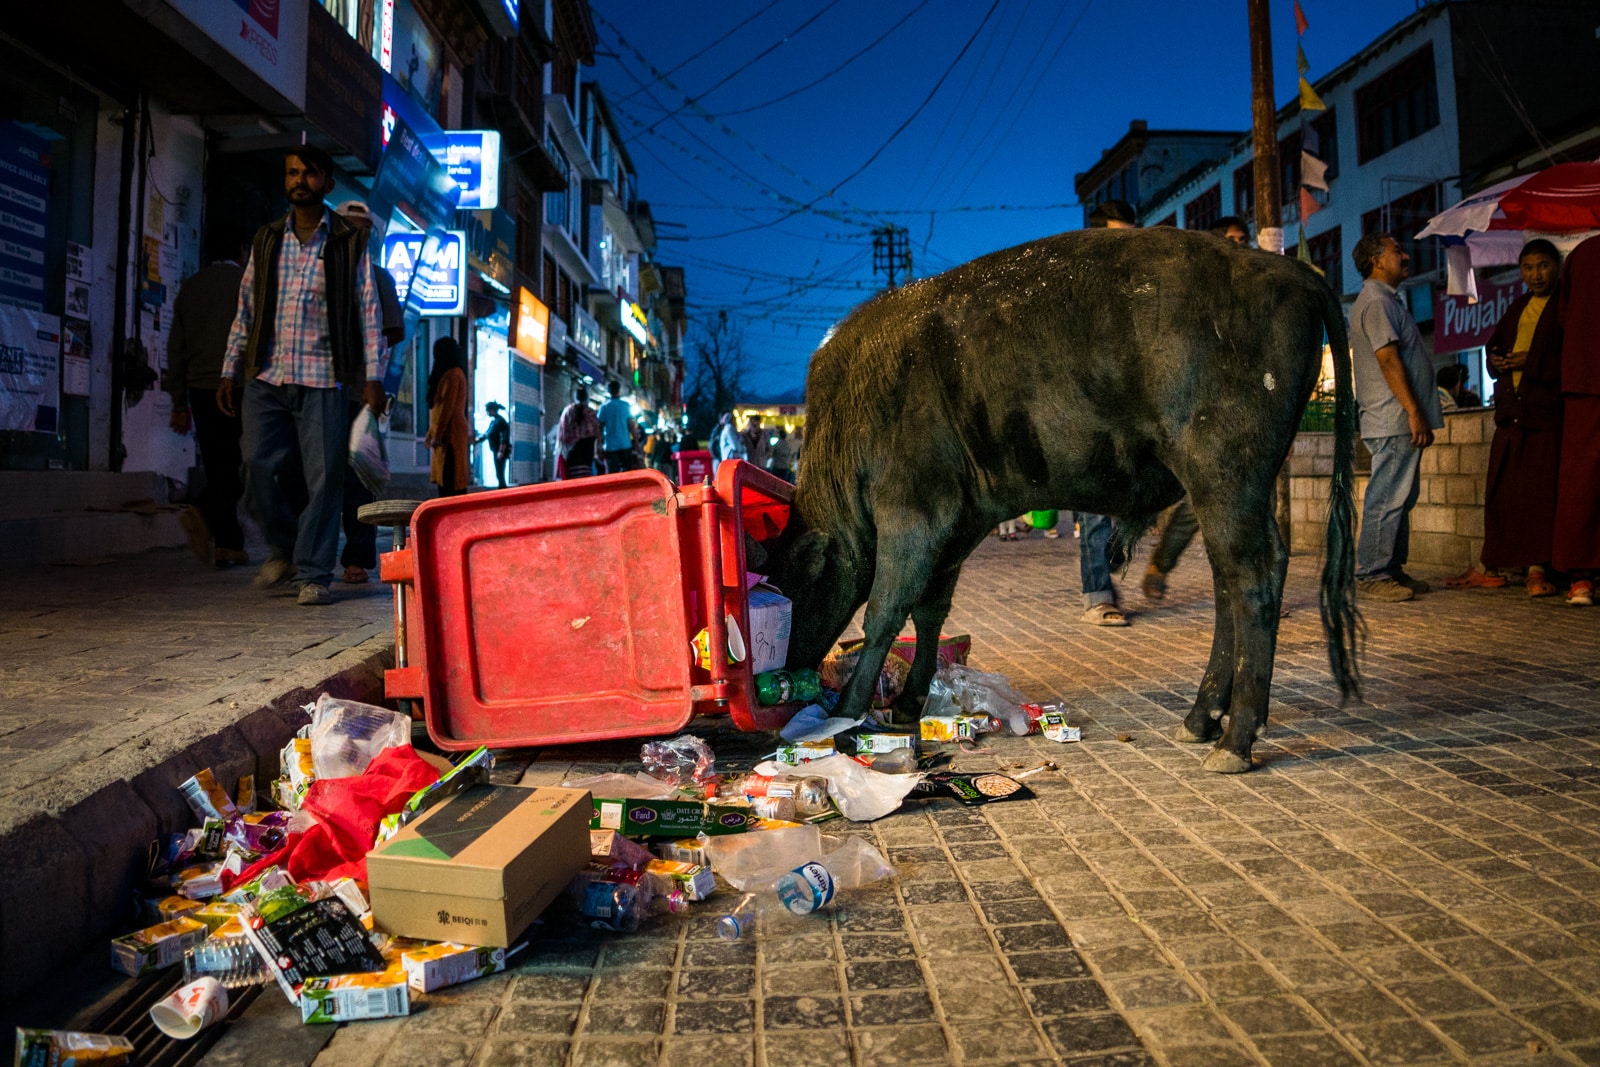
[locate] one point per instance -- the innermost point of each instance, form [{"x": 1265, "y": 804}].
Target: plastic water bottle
[
  {"x": 233, "y": 961},
  {"x": 798, "y": 892},
  {"x": 788, "y": 687}
]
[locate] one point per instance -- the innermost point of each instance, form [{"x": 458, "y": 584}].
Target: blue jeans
[
  {"x": 1094, "y": 534},
  {"x": 1385, "y": 542},
  {"x": 296, "y": 432}
]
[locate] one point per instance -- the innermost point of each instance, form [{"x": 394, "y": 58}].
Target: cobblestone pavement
[
  {"x": 1411, "y": 880},
  {"x": 97, "y": 660}
]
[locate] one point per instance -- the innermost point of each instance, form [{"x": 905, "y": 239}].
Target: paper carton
[
  {"x": 478, "y": 868},
  {"x": 156, "y": 947},
  {"x": 346, "y": 997},
  {"x": 667, "y": 818},
  {"x": 435, "y": 966},
  {"x": 770, "y": 613}
]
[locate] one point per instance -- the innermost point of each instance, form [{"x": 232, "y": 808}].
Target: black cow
[{"x": 1108, "y": 371}]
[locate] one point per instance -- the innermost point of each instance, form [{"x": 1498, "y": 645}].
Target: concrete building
[{"x": 1146, "y": 161}]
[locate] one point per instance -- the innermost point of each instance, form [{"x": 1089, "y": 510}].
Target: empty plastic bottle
[
  {"x": 797, "y": 892},
  {"x": 233, "y": 961}
]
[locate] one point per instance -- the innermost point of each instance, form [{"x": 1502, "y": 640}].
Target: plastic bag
[
  {"x": 369, "y": 456},
  {"x": 623, "y": 786},
  {"x": 686, "y": 758},
  {"x": 346, "y": 735},
  {"x": 754, "y": 861},
  {"x": 860, "y": 793},
  {"x": 977, "y": 692}
]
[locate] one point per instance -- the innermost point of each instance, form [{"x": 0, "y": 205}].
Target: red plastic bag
[{"x": 348, "y": 811}]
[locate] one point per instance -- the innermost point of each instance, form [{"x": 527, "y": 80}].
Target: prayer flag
[
  {"x": 1300, "y": 59},
  {"x": 1303, "y": 253},
  {"x": 1300, "y": 23},
  {"x": 1308, "y": 203},
  {"x": 1310, "y": 140},
  {"x": 1313, "y": 171},
  {"x": 1309, "y": 100}
]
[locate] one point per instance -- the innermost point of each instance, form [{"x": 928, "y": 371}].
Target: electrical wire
[{"x": 684, "y": 63}]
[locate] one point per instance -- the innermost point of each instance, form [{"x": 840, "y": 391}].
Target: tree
[{"x": 717, "y": 367}]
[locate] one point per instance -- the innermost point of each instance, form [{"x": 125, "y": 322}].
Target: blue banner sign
[
  {"x": 472, "y": 159},
  {"x": 430, "y": 270}
]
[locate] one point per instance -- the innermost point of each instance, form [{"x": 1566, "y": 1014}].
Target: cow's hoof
[
  {"x": 1226, "y": 761},
  {"x": 1185, "y": 736}
]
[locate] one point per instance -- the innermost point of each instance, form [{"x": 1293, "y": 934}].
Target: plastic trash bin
[
  {"x": 563, "y": 612},
  {"x": 693, "y": 467}
]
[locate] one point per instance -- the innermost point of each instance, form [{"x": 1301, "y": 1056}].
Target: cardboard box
[
  {"x": 768, "y": 640},
  {"x": 478, "y": 868},
  {"x": 667, "y": 818}
]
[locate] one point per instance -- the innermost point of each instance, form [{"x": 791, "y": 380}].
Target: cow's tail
[{"x": 1341, "y": 623}]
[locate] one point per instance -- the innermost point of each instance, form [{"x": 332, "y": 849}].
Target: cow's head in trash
[{"x": 825, "y": 579}]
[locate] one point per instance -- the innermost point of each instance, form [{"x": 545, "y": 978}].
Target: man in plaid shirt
[{"x": 306, "y": 334}]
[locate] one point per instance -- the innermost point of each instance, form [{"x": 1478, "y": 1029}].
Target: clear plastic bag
[
  {"x": 976, "y": 692},
  {"x": 369, "y": 456},
  {"x": 684, "y": 759},
  {"x": 623, "y": 786},
  {"x": 755, "y": 861},
  {"x": 860, "y": 793},
  {"x": 346, "y": 735}
]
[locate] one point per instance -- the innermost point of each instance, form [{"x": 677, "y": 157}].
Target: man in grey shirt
[{"x": 1399, "y": 412}]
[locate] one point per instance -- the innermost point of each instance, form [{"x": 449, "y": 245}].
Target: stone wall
[{"x": 1447, "y": 523}]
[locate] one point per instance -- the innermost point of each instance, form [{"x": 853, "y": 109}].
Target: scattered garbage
[
  {"x": 346, "y": 735},
  {"x": 788, "y": 687},
  {"x": 233, "y": 961},
  {"x": 71, "y": 1048},
  {"x": 982, "y": 788},
  {"x": 959, "y": 689}
]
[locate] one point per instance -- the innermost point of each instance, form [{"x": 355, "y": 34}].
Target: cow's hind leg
[
  {"x": 1204, "y": 721},
  {"x": 928, "y": 616},
  {"x": 1249, "y": 561}
]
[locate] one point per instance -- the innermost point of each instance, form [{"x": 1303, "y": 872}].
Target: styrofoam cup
[{"x": 191, "y": 1009}]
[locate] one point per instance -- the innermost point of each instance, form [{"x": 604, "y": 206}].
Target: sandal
[
  {"x": 1104, "y": 615},
  {"x": 1537, "y": 584},
  {"x": 1473, "y": 578},
  {"x": 1581, "y": 595}
]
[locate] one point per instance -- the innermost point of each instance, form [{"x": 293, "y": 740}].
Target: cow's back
[{"x": 1079, "y": 371}]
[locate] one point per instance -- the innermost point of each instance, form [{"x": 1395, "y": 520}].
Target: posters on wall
[
  {"x": 24, "y": 208},
  {"x": 30, "y": 360}
]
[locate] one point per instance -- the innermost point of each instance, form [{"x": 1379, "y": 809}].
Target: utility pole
[
  {"x": 1269, "y": 202},
  {"x": 891, "y": 252}
]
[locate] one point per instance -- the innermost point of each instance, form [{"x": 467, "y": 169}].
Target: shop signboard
[
  {"x": 531, "y": 332},
  {"x": 344, "y": 87},
  {"x": 267, "y": 36},
  {"x": 30, "y": 369},
  {"x": 491, "y": 245},
  {"x": 1459, "y": 325},
  {"x": 472, "y": 159},
  {"x": 633, "y": 318},
  {"x": 24, "y": 215},
  {"x": 585, "y": 333},
  {"x": 501, "y": 15},
  {"x": 430, "y": 270}
]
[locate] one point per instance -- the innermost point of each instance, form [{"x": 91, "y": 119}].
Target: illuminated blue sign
[
  {"x": 472, "y": 159},
  {"x": 430, "y": 272}
]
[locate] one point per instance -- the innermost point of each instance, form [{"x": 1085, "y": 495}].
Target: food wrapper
[
  {"x": 805, "y": 751},
  {"x": 981, "y": 788},
  {"x": 71, "y": 1048},
  {"x": 265, "y": 882},
  {"x": 207, "y": 799},
  {"x": 955, "y": 727},
  {"x": 156, "y": 947},
  {"x": 1053, "y": 724},
  {"x": 436, "y": 965},
  {"x": 695, "y": 881},
  {"x": 244, "y": 797}
]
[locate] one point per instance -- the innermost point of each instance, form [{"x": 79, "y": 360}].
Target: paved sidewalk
[{"x": 1411, "y": 880}]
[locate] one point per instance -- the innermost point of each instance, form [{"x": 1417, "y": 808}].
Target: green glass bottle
[{"x": 788, "y": 687}]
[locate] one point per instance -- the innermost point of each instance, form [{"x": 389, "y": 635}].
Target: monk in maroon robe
[
  {"x": 1525, "y": 362},
  {"x": 1576, "y": 545}
]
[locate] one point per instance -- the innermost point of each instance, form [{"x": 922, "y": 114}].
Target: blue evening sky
[{"x": 713, "y": 103}]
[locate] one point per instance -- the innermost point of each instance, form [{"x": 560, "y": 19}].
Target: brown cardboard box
[{"x": 478, "y": 868}]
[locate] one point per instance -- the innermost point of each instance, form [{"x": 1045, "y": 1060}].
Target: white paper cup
[{"x": 191, "y": 1009}]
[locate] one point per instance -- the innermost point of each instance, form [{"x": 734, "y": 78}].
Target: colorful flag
[
  {"x": 1300, "y": 60},
  {"x": 1308, "y": 203},
  {"x": 1303, "y": 253},
  {"x": 1300, "y": 23},
  {"x": 1313, "y": 172},
  {"x": 1309, "y": 100},
  {"x": 1310, "y": 140}
]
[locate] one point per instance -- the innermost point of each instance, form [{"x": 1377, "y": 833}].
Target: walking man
[
  {"x": 202, "y": 315},
  {"x": 616, "y": 431},
  {"x": 305, "y": 337},
  {"x": 499, "y": 438},
  {"x": 1399, "y": 412}
]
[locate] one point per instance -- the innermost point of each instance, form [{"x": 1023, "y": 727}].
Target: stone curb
[{"x": 70, "y": 875}]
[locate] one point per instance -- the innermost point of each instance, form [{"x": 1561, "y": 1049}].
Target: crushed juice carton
[
  {"x": 342, "y": 998},
  {"x": 207, "y": 799},
  {"x": 954, "y": 727},
  {"x": 878, "y": 744},
  {"x": 1053, "y": 725},
  {"x": 156, "y": 947},
  {"x": 216, "y": 915},
  {"x": 695, "y": 881},
  {"x": 174, "y": 906},
  {"x": 614, "y": 850},
  {"x": 805, "y": 751},
  {"x": 71, "y": 1048},
  {"x": 442, "y": 963},
  {"x": 688, "y": 850},
  {"x": 770, "y": 615},
  {"x": 199, "y": 883}
]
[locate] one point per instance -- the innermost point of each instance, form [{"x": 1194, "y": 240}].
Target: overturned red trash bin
[
  {"x": 693, "y": 467},
  {"x": 564, "y": 612}
]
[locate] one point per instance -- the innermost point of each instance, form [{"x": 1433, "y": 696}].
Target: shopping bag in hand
[{"x": 368, "y": 456}]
